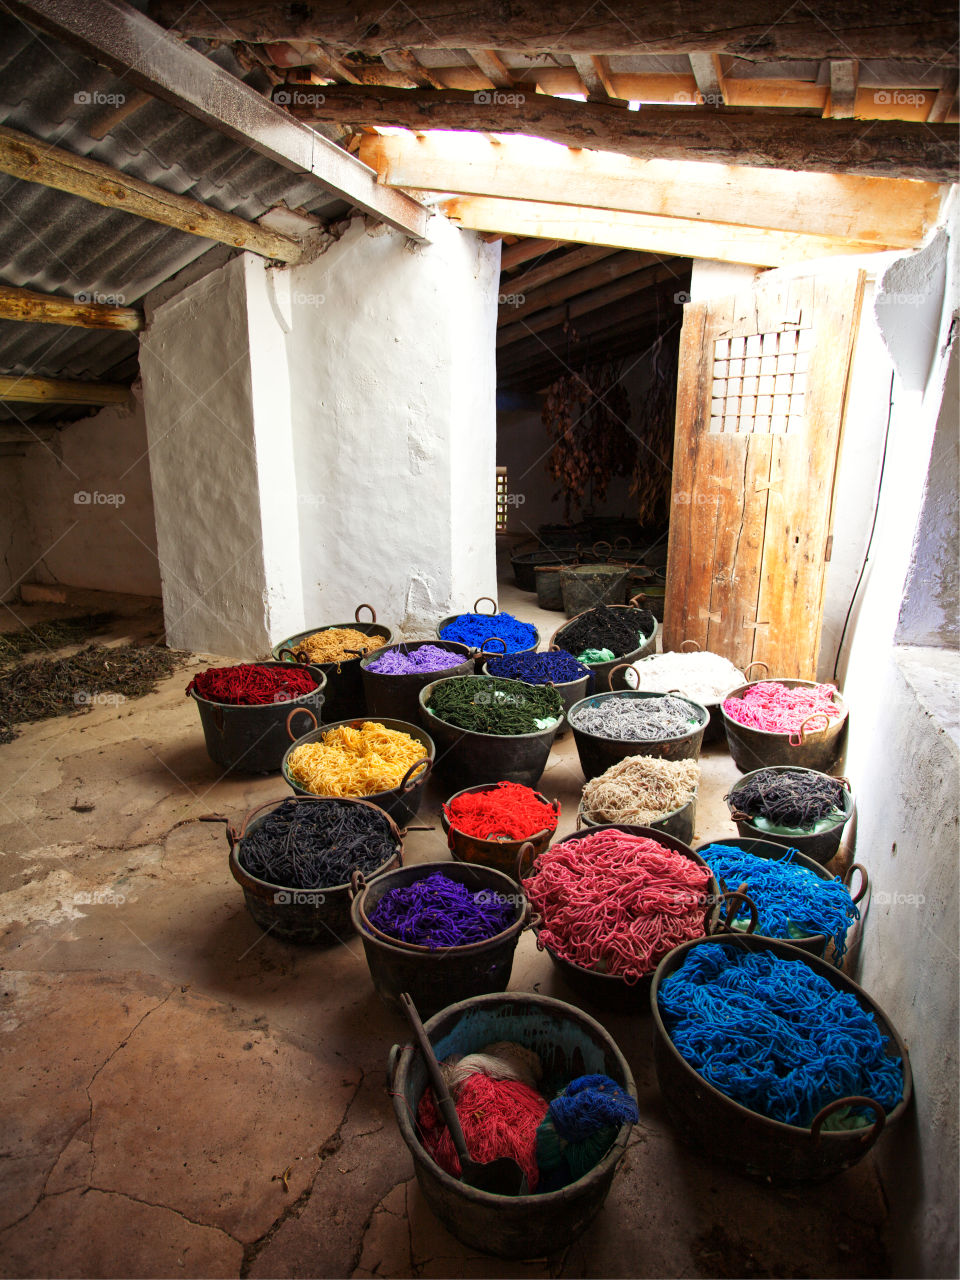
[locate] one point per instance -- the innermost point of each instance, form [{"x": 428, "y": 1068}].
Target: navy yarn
[
  {"x": 773, "y": 1035},
  {"x": 792, "y": 901},
  {"x": 473, "y": 628},
  {"x": 539, "y": 668},
  {"x": 590, "y": 1103}
]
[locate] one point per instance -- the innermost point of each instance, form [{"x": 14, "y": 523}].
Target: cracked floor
[{"x": 185, "y": 1096}]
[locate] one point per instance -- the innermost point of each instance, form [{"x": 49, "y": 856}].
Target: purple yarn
[
  {"x": 439, "y": 912},
  {"x": 427, "y": 658}
]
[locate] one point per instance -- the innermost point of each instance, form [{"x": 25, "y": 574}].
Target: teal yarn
[
  {"x": 774, "y": 1035},
  {"x": 792, "y": 901},
  {"x": 580, "y": 1127}
]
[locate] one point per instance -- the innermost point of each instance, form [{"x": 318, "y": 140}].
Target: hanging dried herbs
[{"x": 654, "y": 425}]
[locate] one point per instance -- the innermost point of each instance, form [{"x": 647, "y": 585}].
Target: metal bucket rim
[
  {"x": 504, "y": 846},
  {"x": 630, "y": 742},
  {"x": 354, "y": 721},
  {"x": 849, "y": 802},
  {"x": 361, "y": 921},
  {"x": 817, "y": 735},
  {"x": 246, "y": 879},
  {"x": 312, "y": 667},
  {"x": 475, "y": 733},
  {"x": 762, "y": 943},
  {"x": 663, "y": 817},
  {"x": 606, "y": 1164}
]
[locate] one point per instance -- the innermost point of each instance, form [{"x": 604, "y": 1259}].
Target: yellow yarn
[
  {"x": 334, "y": 644},
  {"x": 355, "y": 762}
]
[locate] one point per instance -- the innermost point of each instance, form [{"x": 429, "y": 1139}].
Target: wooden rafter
[
  {"x": 516, "y": 254},
  {"x": 492, "y": 67},
  {"x": 708, "y": 73},
  {"x": 759, "y": 29},
  {"x": 61, "y": 390},
  {"x": 879, "y": 212},
  {"x": 616, "y": 267},
  {"x": 561, "y": 265},
  {"x": 47, "y": 308},
  {"x": 946, "y": 100},
  {"x": 901, "y": 149},
  {"x": 595, "y": 74},
  {"x": 842, "y": 102},
  {"x": 406, "y": 62},
  {"x": 120, "y": 37},
  {"x": 33, "y": 161}
]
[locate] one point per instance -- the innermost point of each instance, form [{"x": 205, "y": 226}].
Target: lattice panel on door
[{"x": 760, "y": 382}]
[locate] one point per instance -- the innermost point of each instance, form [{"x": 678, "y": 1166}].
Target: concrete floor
[{"x": 185, "y": 1096}]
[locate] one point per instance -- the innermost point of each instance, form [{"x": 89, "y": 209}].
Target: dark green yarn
[{"x": 485, "y": 704}]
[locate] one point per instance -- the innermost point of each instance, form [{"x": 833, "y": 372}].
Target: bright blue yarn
[
  {"x": 785, "y": 894},
  {"x": 590, "y": 1103},
  {"x": 773, "y": 1035},
  {"x": 539, "y": 668},
  {"x": 473, "y": 628}
]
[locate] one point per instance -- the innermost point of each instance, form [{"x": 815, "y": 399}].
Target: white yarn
[
  {"x": 500, "y": 1061},
  {"x": 704, "y": 677}
]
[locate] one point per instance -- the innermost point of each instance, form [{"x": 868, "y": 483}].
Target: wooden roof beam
[
  {"x": 617, "y": 266},
  {"x": 33, "y": 161},
  {"x": 47, "y": 308},
  {"x": 408, "y": 64},
  {"x": 13, "y": 387},
  {"x": 493, "y": 68},
  {"x": 872, "y": 148},
  {"x": 516, "y": 254},
  {"x": 945, "y": 101},
  {"x": 842, "y": 100},
  {"x": 708, "y": 74},
  {"x": 883, "y": 212},
  {"x": 572, "y": 260},
  {"x": 758, "y": 29},
  {"x": 594, "y": 73},
  {"x": 120, "y": 37}
]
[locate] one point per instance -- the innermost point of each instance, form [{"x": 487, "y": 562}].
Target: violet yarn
[
  {"x": 428, "y": 657},
  {"x": 439, "y": 912}
]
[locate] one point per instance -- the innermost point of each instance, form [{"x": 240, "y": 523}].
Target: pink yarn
[
  {"x": 617, "y": 902},
  {"x": 777, "y": 708}
]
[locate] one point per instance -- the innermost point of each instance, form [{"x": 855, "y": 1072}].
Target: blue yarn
[
  {"x": 539, "y": 668},
  {"x": 590, "y": 1103},
  {"x": 792, "y": 901},
  {"x": 473, "y": 628},
  {"x": 773, "y": 1035}
]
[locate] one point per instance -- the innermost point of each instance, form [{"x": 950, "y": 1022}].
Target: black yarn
[
  {"x": 316, "y": 845},
  {"x": 787, "y": 799},
  {"x": 618, "y": 630}
]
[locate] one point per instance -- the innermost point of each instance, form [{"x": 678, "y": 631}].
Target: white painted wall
[
  {"x": 108, "y": 543},
  {"x": 323, "y": 436}
]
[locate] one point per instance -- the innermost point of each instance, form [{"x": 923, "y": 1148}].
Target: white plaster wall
[
  {"x": 391, "y": 359},
  {"x": 195, "y": 362},
  {"x": 107, "y": 543}
]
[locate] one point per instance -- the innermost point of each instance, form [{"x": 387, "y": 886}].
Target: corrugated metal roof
[{"x": 57, "y": 243}]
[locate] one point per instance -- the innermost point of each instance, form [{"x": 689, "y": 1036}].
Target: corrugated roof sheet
[{"x": 57, "y": 243}]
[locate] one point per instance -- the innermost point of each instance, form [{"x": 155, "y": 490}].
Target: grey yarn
[{"x": 637, "y": 719}]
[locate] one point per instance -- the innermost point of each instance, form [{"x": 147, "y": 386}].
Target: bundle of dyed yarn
[
  {"x": 778, "y": 708},
  {"x": 506, "y": 811},
  {"x": 336, "y": 644},
  {"x": 640, "y": 790},
  {"x": 629, "y": 719},
  {"x": 616, "y": 903},
  {"x": 775, "y": 1036},
  {"x": 474, "y": 628},
  {"x": 557, "y": 667},
  {"x": 317, "y": 844},
  {"x": 354, "y": 762},
  {"x": 705, "y": 677},
  {"x": 791, "y": 900},
  {"x": 503, "y": 1113},
  {"x": 617, "y": 631},
  {"x": 251, "y": 684},
  {"x": 484, "y": 704},
  {"x": 580, "y": 1127},
  {"x": 410, "y": 662},
  {"x": 788, "y": 800},
  {"x": 439, "y": 912}
]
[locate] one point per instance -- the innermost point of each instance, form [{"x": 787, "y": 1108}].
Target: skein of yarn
[{"x": 581, "y": 1125}]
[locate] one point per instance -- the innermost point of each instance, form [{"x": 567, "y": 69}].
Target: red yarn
[
  {"x": 779, "y": 708},
  {"x": 507, "y": 811},
  {"x": 617, "y": 902},
  {"x": 498, "y": 1118},
  {"x": 249, "y": 684}
]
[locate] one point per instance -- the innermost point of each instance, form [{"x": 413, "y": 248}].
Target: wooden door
[{"x": 760, "y": 402}]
